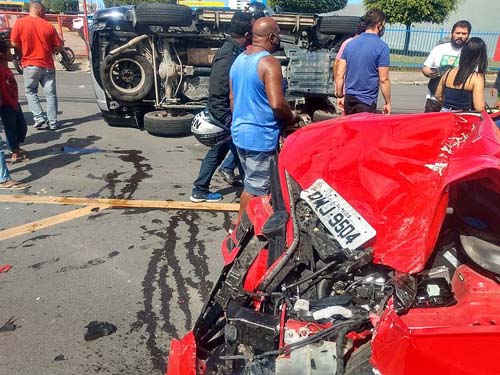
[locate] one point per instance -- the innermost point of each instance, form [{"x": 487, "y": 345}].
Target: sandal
[{"x": 14, "y": 185}]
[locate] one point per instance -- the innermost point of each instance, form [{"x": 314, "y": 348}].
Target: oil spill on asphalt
[
  {"x": 40, "y": 265},
  {"x": 89, "y": 264},
  {"x": 112, "y": 179},
  {"x": 197, "y": 254},
  {"x": 164, "y": 264}
]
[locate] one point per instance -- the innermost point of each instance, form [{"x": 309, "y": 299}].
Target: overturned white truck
[{"x": 150, "y": 63}]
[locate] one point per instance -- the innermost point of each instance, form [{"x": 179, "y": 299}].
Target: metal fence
[{"x": 422, "y": 40}]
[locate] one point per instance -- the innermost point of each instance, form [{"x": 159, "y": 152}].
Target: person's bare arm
[
  {"x": 335, "y": 69},
  {"x": 439, "y": 94},
  {"x": 273, "y": 83},
  {"x": 478, "y": 92},
  {"x": 385, "y": 87},
  {"x": 430, "y": 72},
  {"x": 339, "y": 83}
]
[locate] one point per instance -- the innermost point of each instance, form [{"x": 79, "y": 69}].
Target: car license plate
[{"x": 339, "y": 217}]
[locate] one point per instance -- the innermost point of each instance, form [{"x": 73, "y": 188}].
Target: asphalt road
[{"x": 147, "y": 271}]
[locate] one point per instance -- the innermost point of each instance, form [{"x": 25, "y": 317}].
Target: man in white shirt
[{"x": 443, "y": 57}]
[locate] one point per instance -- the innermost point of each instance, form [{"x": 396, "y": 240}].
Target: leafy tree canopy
[
  {"x": 60, "y": 6},
  {"x": 310, "y": 6},
  {"x": 408, "y": 12}
]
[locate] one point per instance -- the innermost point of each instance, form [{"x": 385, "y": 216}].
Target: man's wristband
[{"x": 339, "y": 96}]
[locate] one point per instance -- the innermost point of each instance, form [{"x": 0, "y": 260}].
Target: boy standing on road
[
  {"x": 37, "y": 39},
  {"x": 10, "y": 110},
  {"x": 442, "y": 57}
]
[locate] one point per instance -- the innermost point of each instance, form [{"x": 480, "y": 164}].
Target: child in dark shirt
[{"x": 10, "y": 110}]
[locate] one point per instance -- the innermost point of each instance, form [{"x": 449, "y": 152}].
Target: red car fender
[
  {"x": 459, "y": 339},
  {"x": 182, "y": 358},
  {"x": 259, "y": 210}
]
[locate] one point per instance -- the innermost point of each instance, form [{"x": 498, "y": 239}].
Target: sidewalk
[{"x": 417, "y": 78}]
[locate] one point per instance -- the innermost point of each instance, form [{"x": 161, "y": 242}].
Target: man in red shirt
[{"x": 37, "y": 40}]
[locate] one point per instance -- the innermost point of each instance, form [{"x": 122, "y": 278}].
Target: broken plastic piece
[
  {"x": 332, "y": 310},
  {"x": 60, "y": 357},
  {"x": 5, "y": 268},
  {"x": 97, "y": 329},
  {"x": 9, "y": 325}
]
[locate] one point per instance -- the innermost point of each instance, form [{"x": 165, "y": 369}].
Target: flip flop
[{"x": 14, "y": 185}]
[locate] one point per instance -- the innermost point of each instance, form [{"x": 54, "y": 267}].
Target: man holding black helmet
[
  {"x": 218, "y": 107},
  {"x": 443, "y": 57}
]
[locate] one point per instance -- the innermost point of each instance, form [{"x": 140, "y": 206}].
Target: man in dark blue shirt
[{"x": 363, "y": 67}]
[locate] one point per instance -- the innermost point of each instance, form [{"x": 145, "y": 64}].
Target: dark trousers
[
  {"x": 14, "y": 125},
  {"x": 215, "y": 156},
  {"x": 353, "y": 105},
  {"x": 432, "y": 105}
]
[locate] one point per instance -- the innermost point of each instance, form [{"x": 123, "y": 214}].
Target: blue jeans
[
  {"x": 4, "y": 172},
  {"x": 212, "y": 160},
  {"x": 14, "y": 125},
  {"x": 34, "y": 76},
  {"x": 229, "y": 163}
]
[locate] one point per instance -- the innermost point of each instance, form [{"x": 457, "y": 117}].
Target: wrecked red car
[{"x": 377, "y": 252}]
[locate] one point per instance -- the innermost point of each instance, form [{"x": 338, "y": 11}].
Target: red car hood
[{"x": 395, "y": 170}]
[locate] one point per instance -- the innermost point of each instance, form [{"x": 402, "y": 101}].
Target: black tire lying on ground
[
  {"x": 160, "y": 14},
  {"x": 338, "y": 24},
  {"x": 164, "y": 124},
  {"x": 127, "y": 76}
]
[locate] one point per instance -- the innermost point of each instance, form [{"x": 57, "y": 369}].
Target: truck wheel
[
  {"x": 338, "y": 24},
  {"x": 127, "y": 76},
  {"x": 160, "y": 14},
  {"x": 320, "y": 115},
  {"x": 164, "y": 124},
  {"x": 359, "y": 363}
]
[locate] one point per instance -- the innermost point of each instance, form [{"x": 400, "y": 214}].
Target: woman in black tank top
[{"x": 462, "y": 88}]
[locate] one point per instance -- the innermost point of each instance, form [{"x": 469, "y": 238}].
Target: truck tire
[
  {"x": 338, "y": 24},
  {"x": 320, "y": 115},
  {"x": 163, "y": 124},
  {"x": 160, "y": 14},
  {"x": 127, "y": 76},
  {"x": 359, "y": 363}
]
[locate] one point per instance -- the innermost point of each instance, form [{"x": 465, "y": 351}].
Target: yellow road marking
[
  {"x": 121, "y": 203},
  {"x": 53, "y": 220}
]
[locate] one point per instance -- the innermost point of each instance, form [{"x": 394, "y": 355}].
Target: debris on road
[
  {"x": 60, "y": 357},
  {"x": 97, "y": 329},
  {"x": 5, "y": 268},
  {"x": 9, "y": 325}
]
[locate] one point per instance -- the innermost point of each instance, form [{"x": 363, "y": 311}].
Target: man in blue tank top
[{"x": 259, "y": 108}]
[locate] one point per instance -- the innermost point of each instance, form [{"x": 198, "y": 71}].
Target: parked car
[{"x": 150, "y": 63}]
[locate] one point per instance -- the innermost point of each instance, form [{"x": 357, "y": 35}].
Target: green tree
[
  {"x": 408, "y": 12},
  {"x": 310, "y": 6},
  {"x": 59, "y": 6}
]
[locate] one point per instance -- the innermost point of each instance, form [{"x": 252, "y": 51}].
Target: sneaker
[
  {"x": 41, "y": 125},
  {"x": 53, "y": 127},
  {"x": 228, "y": 176},
  {"x": 205, "y": 197}
]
